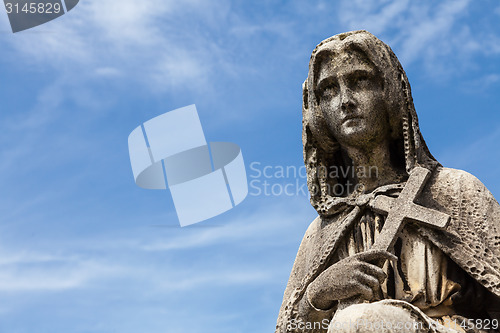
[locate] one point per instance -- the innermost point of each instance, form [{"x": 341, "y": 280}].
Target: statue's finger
[
  {"x": 365, "y": 292},
  {"x": 374, "y": 271},
  {"x": 368, "y": 281},
  {"x": 374, "y": 255}
]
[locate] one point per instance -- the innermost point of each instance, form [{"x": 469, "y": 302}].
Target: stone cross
[
  {"x": 402, "y": 209},
  {"x": 399, "y": 210}
]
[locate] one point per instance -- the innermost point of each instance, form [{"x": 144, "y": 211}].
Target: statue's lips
[{"x": 347, "y": 120}]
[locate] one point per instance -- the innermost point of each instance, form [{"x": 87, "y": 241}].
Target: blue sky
[{"x": 83, "y": 249}]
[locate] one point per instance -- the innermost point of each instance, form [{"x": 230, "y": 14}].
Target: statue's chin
[{"x": 355, "y": 133}]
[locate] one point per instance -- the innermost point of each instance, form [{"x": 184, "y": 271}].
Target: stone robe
[{"x": 444, "y": 275}]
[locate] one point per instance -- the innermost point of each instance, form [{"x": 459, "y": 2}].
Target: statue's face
[{"x": 350, "y": 93}]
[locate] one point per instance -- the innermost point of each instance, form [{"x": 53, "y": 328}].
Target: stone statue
[{"x": 401, "y": 244}]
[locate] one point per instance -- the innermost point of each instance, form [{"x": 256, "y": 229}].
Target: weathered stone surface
[{"x": 398, "y": 237}]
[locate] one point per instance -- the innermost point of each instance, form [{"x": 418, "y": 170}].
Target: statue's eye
[
  {"x": 329, "y": 90},
  {"x": 360, "y": 80}
]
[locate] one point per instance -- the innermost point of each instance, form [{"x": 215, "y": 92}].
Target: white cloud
[
  {"x": 142, "y": 256},
  {"x": 190, "y": 280},
  {"x": 259, "y": 226},
  {"x": 26, "y": 257},
  {"x": 480, "y": 85},
  {"x": 435, "y": 35},
  {"x": 127, "y": 21},
  {"x": 149, "y": 42},
  {"x": 108, "y": 72},
  {"x": 426, "y": 31},
  {"x": 372, "y": 16},
  {"x": 24, "y": 272}
]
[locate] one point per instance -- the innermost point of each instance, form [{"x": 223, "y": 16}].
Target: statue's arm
[
  {"x": 488, "y": 232},
  {"x": 314, "y": 304},
  {"x": 473, "y": 236},
  {"x": 303, "y": 312}
]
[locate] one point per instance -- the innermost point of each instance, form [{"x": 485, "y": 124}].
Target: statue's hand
[{"x": 358, "y": 275}]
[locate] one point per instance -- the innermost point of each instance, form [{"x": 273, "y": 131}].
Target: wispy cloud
[
  {"x": 191, "y": 280},
  {"x": 143, "y": 41},
  {"x": 373, "y": 16},
  {"x": 27, "y": 272},
  {"x": 433, "y": 34},
  {"x": 480, "y": 86},
  {"x": 262, "y": 225},
  {"x": 45, "y": 267}
]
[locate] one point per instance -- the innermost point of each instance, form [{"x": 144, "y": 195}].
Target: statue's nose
[{"x": 346, "y": 101}]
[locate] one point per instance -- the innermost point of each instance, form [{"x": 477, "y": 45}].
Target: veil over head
[
  {"x": 321, "y": 149},
  {"x": 472, "y": 238}
]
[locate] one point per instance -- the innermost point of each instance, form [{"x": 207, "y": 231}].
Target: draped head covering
[
  {"x": 321, "y": 149},
  {"x": 471, "y": 240}
]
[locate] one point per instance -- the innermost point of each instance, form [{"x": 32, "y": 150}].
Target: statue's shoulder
[
  {"x": 313, "y": 228},
  {"x": 313, "y": 236},
  {"x": 455, "y": 177},
  {"x": 320, "y": 229},
  {"x": 457, "y": 183}
]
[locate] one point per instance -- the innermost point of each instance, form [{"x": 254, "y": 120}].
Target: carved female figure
[{"x": 358, "y": 115}]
